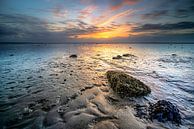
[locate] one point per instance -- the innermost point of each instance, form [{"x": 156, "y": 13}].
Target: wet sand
[{"x": 71, "y": 93}]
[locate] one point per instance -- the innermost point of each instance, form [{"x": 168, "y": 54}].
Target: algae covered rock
[
  {"x": 165, "y": 111},
  {"x": 125, "y": 85}
]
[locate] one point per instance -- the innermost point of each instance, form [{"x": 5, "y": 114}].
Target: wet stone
[
  {"x": 174, "y": 54},
  {"x": 125, "y": 85},
  {"x": 117, "y": 57},
  {"x": 40, "y": 76},
  {"x": 53, "y": 74},
  {"x": 129, "y": 55},
  {"x": 165, "y": 111},
  {"x": 73, "y": 56}
]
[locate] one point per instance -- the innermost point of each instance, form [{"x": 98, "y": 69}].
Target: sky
[{"x": 96, "y": 21}]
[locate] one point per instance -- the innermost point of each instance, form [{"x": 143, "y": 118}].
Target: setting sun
[{"x": 119, "y": 32}]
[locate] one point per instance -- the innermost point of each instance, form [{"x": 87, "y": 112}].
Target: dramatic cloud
[
  {"x": 155, "y": 14},
  {"x": 8, "y": 31},
  {"x": 95, "y": 20},
  {"x": 86, "y": 12},
  {"x": 117, "y": 4},
  {"x": 184, "y": 12},
  {"x": 19, "y": 18},
  {"x": 112, "y": 18},
  {"x": 174, "y": 26}
]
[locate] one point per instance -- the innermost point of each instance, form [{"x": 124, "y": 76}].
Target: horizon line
[{"x": 132, "y": 42}]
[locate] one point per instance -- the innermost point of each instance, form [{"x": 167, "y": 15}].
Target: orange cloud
[{"x": 119, "y": 4}]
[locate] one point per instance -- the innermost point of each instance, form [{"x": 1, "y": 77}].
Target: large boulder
[
  {"x": 165, "y": 111},
  {"x": 125, "y": 85}
]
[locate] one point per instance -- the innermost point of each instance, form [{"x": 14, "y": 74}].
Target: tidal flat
[{"x": 65, "y": 86}]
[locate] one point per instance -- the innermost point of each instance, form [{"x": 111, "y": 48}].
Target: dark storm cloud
[
  {"x": 21, "y": 22},
  {"x": 155, "y": 14},
  {"x": 19, "y": 27},
  {"x": 183, "y": 12},
  {"x": 19, "y": 18},
  {"x": 169, "y": 8},
  {"x": 6, "y": 30},
  {"x": 174, "y": 26}
]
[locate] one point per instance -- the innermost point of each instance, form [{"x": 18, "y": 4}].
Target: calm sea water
[{"x": 30, "y": 71}]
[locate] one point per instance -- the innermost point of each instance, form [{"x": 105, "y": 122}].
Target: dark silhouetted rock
[
  {"x": 73, "y": 56},
  {"x": 129, "y": 55},
  {"x": 165, "y": 111},
  {"x": 117, "y": 57},
  {"x": 125, "y": 85},
  {"x": 174, "y": 55}
]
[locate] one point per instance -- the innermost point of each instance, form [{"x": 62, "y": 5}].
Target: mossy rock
[
  {"x": 125, "y": 85},
  {"x": 164, "y": 111}
]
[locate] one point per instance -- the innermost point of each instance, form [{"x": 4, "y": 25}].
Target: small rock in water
[
  {"x": 29, "y": 77},
  {"x": 117, "y": 57},
  {"x": 125, "y": 85},
  {"x": 40, "y": 76},
  {"x": 73, "y": 56},
  {"x": 174, "y": 54},
  {"x": 165, "y": 111},
  {"x": 129, "y": 55}
]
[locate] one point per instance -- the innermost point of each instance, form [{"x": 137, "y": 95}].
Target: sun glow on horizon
[{"x": 118, "y": 32}]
